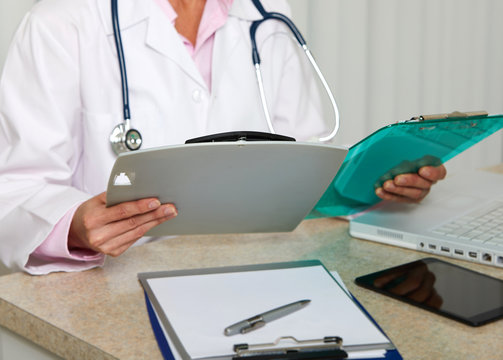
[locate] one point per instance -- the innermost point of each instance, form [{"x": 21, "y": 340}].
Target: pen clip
[{"x": 253, "y": 323}]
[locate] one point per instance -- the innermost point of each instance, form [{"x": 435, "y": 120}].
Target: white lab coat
[{"x": 60, "y": 98}]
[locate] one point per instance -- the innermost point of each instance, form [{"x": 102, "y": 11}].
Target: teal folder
[{"x": 399, "y": 148}]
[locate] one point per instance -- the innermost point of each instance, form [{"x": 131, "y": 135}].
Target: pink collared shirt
[
  {"x": 214, "y": 17},
  {"x": 53, "y": 254}
]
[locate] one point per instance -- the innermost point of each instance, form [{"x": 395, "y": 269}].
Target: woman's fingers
[
  {"x": 123, "y": 210},
  {"x": 411, "y": 188},
  {"x": 115, "y": 244},
  {"x": 113, "y": 230},
  {"x": 112, "y": 236}
]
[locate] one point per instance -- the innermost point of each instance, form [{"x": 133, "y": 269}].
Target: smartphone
[{"x": 443, "y": 288}]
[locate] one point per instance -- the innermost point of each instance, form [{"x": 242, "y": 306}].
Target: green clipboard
[{"x": 402, "y": 147}]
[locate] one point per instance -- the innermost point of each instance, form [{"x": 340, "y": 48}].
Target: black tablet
[{"x": 441, "y": 287}]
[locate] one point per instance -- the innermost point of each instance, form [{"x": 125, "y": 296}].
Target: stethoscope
[{"x": 125, "y": 138}]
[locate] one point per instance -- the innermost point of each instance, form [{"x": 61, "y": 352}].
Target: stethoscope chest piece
[{"x": 123, "y": 139}]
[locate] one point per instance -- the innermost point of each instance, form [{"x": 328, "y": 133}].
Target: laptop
[
  {"x": 228, "y": 187},
  {"x": 462, "y": 218}
]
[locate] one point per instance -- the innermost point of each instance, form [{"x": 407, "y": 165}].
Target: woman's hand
[
  {"x": 411, "y": 188},
  {"x": 113, "y": 230}
]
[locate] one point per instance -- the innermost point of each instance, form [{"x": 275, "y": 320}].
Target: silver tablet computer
[{"x": 228, "y": 187}]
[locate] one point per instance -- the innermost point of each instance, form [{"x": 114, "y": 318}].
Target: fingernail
[
  {"x": 154, "y": 204},
  {"x": 425, "y": 172},
  {"x": 170, "y": 211},
  {"x": 388, "y": 185},
  {"x": 381, "y": 193},
  {"x": 400, "y": 180}
]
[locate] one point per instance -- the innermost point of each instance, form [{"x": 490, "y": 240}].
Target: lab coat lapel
[
  {"x": 228, "y": 38},
  {"x": 162, "y": 37},
  {"x": 226, "y": 41},
  {"x": 130, "y": 13}
]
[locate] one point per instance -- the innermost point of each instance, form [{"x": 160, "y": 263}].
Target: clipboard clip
[
  {"x": 454, "y": 114},
  {"x": 330, "y": 347},
  {"x": 240, "y": 136}
]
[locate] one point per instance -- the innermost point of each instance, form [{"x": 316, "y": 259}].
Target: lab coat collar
[
  {"x": 131, "y": 12},
  {"x": 163, "y": 38},
  {"x": 161, "y": 35},
  {"x": 245, "y": 10}
]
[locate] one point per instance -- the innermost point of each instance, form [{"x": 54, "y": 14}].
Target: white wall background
[
  {"x": 387, "y": 60},
  {"x": 11, "y": 13}
]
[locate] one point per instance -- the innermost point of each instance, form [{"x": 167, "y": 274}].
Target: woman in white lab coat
[{"x": 60, "y": 97}]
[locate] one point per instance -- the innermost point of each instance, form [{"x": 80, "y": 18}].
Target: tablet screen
[{"x": 441, "y": 287}]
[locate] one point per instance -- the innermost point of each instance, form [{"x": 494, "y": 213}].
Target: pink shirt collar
[{"x": 214, "y": 17}]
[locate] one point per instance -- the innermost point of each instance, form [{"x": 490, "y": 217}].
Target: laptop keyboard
[{"x": 483, "y": 225}]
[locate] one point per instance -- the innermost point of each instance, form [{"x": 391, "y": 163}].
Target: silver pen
[{"x": 257, "y": 321}]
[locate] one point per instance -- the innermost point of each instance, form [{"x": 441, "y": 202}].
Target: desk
[{"x": 101, "y": 314}]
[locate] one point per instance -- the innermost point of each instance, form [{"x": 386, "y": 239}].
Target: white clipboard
[
  {"x": 194, "y": 307},
  {"x": 228, "y": 187}
]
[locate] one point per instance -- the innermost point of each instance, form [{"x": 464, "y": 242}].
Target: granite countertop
[{"x": 101, "y": 313}]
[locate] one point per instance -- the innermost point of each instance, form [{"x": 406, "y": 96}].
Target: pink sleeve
[{"x": 53, "y": 254}]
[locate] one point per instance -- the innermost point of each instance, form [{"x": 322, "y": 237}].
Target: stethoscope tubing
[
  {"x": 302, "y": 42},
  {"x": 272, "y": 16},
  {"x": 122, "y": 63}
]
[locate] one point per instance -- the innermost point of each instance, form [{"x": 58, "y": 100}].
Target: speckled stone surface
[{"x": 101, "y": 314}]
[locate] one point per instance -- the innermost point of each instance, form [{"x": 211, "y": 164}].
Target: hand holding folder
[{"x": 403, "y": 147}]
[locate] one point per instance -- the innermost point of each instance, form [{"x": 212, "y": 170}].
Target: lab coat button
[{"x": 197, "y": 96}]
